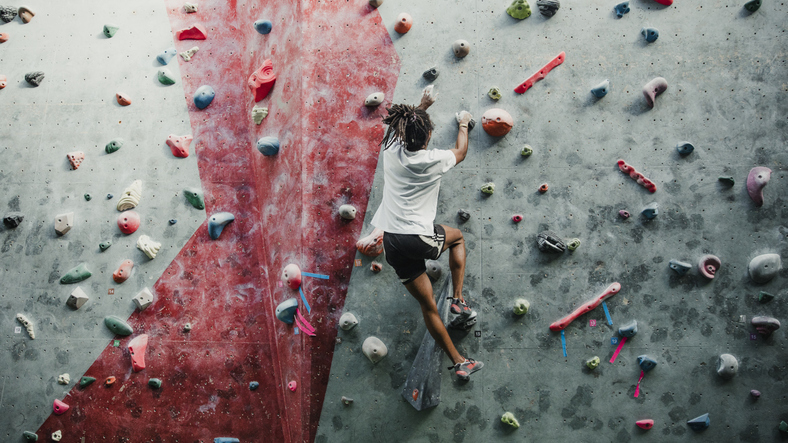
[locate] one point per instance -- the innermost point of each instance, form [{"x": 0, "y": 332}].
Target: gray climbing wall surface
[
  {"x": 74, "y": 109},
  {"x": 726, "y": 72}
]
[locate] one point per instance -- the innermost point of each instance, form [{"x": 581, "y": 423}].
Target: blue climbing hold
[
  {"x": 685, "y": 148},
  {"x": 601, "y": 89},
  {"x": 268, "y": 145},
  {"x": 629, "y": 330},
  {"x": 173, "y": 221},
  {"x": 680, "y": 267},
  {"x": 217, "y": 222},
  {"x": 166, "y": 55},
  {"x": 253, "y": 385},
  {"x": 109, "y": 196},
  {"x": 286, "y": 310},
  {"x": 621, "y": 9},
  {"x": 263, "y": 26},
  {"x": 651, "y": 34},
  {"x": 650, "y": 211},
  {"x": 646, "y": 363},
  {"x": 203, "y": 96},
  {"x": 699, "y": 423},
  {"x": 226, "y": 440}
]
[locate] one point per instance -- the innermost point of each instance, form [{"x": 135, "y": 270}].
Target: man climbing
[{"x": 412, "y": 176}]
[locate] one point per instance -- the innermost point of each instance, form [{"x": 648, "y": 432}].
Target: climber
[{"x": 412, "y": 177}]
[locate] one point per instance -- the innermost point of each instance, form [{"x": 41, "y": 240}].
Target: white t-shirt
[{"x": 410, "y": 191}]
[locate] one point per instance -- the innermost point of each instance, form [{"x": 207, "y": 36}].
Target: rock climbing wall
[{"x": 725, "y": 69}]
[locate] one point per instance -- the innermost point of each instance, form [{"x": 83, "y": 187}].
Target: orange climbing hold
[
  {"x": 123, "y": 272},
  {"x": 404, "y": 23},
  {"x": 543, "y": 188},
  {"x": 110, "y": 380},
  {"x": 194, "y": 32},
  {"x": 3, "y": 37},
  {"x": 179, "y": 145},
  {"x": 262, "y": 80},
  {"x": 137, "y": 349},
  {"x": 123, "y": 99}
]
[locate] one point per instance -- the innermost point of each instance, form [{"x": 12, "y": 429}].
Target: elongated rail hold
[
  {"x": 638, "y": 177},
  {"x": 540, "y": 74},
  {"x": 586, "y": 307}
]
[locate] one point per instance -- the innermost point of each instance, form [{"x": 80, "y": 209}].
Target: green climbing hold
[
  {"x": 752, "y": 5},
  {"x": 527, "y": 150},
  {"x": 30, "y": 436},
  {"x": 110, "y": 30},
  {"x": 117, "y": 325},
  {"x": 195, "y": 197},
  {"x": 154, "y": 383},
  {"x": 783, "y": 427},
  {"x": 114, "y": 145},
  {"x": 88, "y": 197},
  {"x": 727, "y": 181},
  {"x": 765, "y": 297},
  {"x": 105, "y": 245},
  {"x": 84, "y": 382},
  {"x": 593, "y": 363},
  {"x": 76, "y": 275},
  {"x": 521, "y": 306},
  {"x": 509, "y": 419},
  {"x": 488, "y": 188},
  {"x": 494, "y": 93},
  {"x": 520, "y": 9},
  {"x": 573, "y": 244},
  {"x": 166, "y": 77}
]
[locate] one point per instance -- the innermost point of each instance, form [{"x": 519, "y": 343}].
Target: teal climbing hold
[
  {"x": 118, "y": 325},
  {"x": 105, "y": 245},
  {"x": 621, "y": 9},
  {"x": 76, "y": 275},
  {"x": 699, "y": 423},
  {"x": 217, "y": 222},
  {"x": 765, "y": 297},
  {"x": 154, "y": 383},
  {"x": 114, "y": 145},
  {"x": 646, "y": 363},
  {"x": 286, "y": 310},
  {"x": 226, "y": 440},
  {"x": 650, "y": 211},
  {"x": 30, "y": 436},
  {"x": 110, "y": 30},
  {"x": 684, "y": 148},
  {"x": 263, "y": 26},
  {"x": 752, "y": 5},
  {"x": 86, "y": 381},
  {"x": 166, "y": 77},
  {"x": 88, "y": 197},
  {"x": 680, "y": 267},
  {"x": 727, "y": 181}
]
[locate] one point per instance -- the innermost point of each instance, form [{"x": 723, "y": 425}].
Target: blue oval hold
[
  {"x": 679, "y": 266},
  {"x": 286, "y": 310},
  {"x": 253, "y": 385},
  {"x": 601, "y": 89},
  {"x": 203, "y": 96},
  {"x": 621, "y": 9},
  {"x": 651, "y": 34},
  {"x": 650, "y": 211},
  {"x": 217, "y": 222},
  {"x": 629, "y": 330},
  {"x": 166, "y": 55},
  {"x": 263, "y": 26},
  {"x": 685, "y": 148},
  {"x": 268, "y": 145},
  {"x": 646, "y": 363}
]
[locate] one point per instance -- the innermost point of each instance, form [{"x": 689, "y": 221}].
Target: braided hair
[{"x": 410, "y": 124}]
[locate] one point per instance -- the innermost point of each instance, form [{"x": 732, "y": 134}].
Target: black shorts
[{"x": 406, "y": 252}]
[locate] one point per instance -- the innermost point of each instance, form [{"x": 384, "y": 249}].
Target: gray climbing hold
[
  {"x": 117, "y": 325},
  {"x": 461, "y": 48},
  {"x": 348, "y": 321},
  {"x": 166, "y": 77},
  {"x": 764, "y": 268},
  {"x": 727, "y": 366},
  {"x": 646, "y": 363},
  {"x": 143, "y": 299},
  {"x": 7, "y": 13},
  {"x": 680, "y": 267},
  {"x": 217, "y": 222},
  {"x": 431, "y": 74},
  {"x": 110, "y": 30},
  {"x": 64, "y": 223},
  {"x": 374, "y": 349},
  {"x": 621, "y": 9},
  {"x": 88, "y": 197},
  {"x": 629, "y": 330},
  {"x": 765, "y": 325},
  {"x": 13, "y": 219},
  {"x": 650, "y": 34},
  {"x": 348, "y": 212},
  {"x": 727, "y": 181},
  {"x": 110, "y": 196},
  {"x": 684, "y": 148},
  {"x": 263, "y": 26},
  {"x": 346, "y": 400},
  {"x": 203, "y": 96},
  {"x": 650, "y": 211},
  {"x": 699, "y": 423},
  {"x": 77, "y": 298},
  {"x": 166, "y": 55},
  {"x": 488, "y": 188},
  {"x": 75, "y": 275},
  {"x": 463, "y": 215},
  {"x": 268, "y": 145},
  {"x": 549, "y": 241},
  {"x": 521, "y": 306},
  {"x": 187, "y": 327},
  {"x": 286, "y": 310},
  {"x": 34, "y": 78},
  {"x": 253, "y": 385},
  {"x": 765, "y": 297},
  {"x": 434, "y": 270},
  {"x": 29, "y": 436},
  {"x": 374, "y": 99},
  {"x": 601, "y": 89},
  {"x": 103, "y": 246},
  {"x": 548, "y": 8}
]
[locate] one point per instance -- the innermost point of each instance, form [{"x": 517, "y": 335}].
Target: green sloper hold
[
  {"x": 110, "y": 30},
  {"x": 520, "y": 9},
  {"x": 752, "y": 5},
  {"x": 30, "y": 436},
  {"x": 114, "y": 145},
  {"x": 166, "y": 77},
  {"x": 76, "y": 275},
  {"x": 118, "y": 325},
  {"x": 154, "y": 383},
  {"x": 195, "y": 198},
  {"x": 84, "y": 382},
  {"x": 105, "y": 245}
]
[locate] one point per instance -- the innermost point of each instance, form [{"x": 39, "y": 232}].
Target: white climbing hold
[
  {"x": 27, "y": 324},
  {"x": 143, "y": 299},
  {"x": 190, "y": 7},
  {"x": 57, "y": 435},
  {"x": 77, "y": 298},
  {"x": 64, "y": 379},
  {"x": 727, "y": 366},
  {"x": 374, "y": 99},
  {"x": 131, "y": 196},
  {"x": 374, "y": 349},
  {"x": 764, "y": 268},
  {"x": 259, "y": 113},
  {"x": 64, "y": 223},
  {"x": 148, "y": 246},
  {"x": 348, "y": 212},
  {"x": 348, "y": 321},
  {"x": 189, "y": 53}
]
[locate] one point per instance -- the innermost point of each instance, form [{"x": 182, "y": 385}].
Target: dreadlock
[{"x": 410, "y": 124}]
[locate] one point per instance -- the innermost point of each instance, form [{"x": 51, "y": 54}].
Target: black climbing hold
[
  {"x": 7, "y": 13},
  {"x": 173, "y": 221},
  {"x": 464, "y": 215},
  {"x": 110, "y": 196},
  {"x": 549, "y": 241},
  {"x": 34, "y": 78},
  {"x": 88, "y": 197},
  {"x": 431, "y": 74},
  {"x": 727, "y": 181},
  {"x": 13, "y": 219}
]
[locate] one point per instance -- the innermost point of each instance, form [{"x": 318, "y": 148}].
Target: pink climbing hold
[
  {"x": 292, "y": 386},
  {"x": 3, "y": 81},
  {"x": 645, "y": 424},
  {"x": 128, "y": 222},
  {"x": 586, "y": 307},
  {"x": 262, "y": 80},
  {"x": 526, "y": 85},
  {"x": 653, "y": 88},
  {"x": 194, "y": 32},
  {"x": 75, "y": 158},
  {"x": 709, "y": 265},
  {"x": 664, "y": 2},
  {"x": 59, "y": 407},
  {"x": 757, "y": 179},
  {"x": 291, "y": 276},
  {"x": 517, "y": 218},
  {"x": 371, "y": 245},
  {"x": 137, "y": 349},
  {"x": 179, "y": 145},
  {"x": 638, "y": 177},
  {"x": 123, "y": 272}
]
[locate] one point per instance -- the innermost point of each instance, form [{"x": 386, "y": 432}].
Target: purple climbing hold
[
  {"x": 756, "y": 181},
  {"x": 654, "y": 88},
  {"x": 765, "y": 325},
  {"x": 755, "y": 393},
  {"x": 623, "y": 214},
  {"x": 709, "y": 265}
]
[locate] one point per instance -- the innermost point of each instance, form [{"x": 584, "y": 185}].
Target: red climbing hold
[
  {"x": 638, "y": 177},
  {"x": 262, "y": 80},
  {"x": 194, "y": 32},
  {"x": 664, "y": 2},
  {"x": 59, "y": 407},
  {"x": 123, "y": 272},
  {"x": 3, "y": 81},
  {"x": 645, "y": 424},
  {"x": 128, "y": 222},
  {"x": 179, "y": 145},
  {"x": 292, "y": 386},
  {"x": 586, "y": 307},
  {"x": 137, "y": 349},
  {"x": 540, "y": 74},
  {"x": 497, "y": 122},
  {"x": 75, "y": 158}
]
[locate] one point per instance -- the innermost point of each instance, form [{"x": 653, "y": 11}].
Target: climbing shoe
[
  {"x": 466, "y": 368},
  {"x": 459, "y": 308},
  {"x": 463, "y": 322}
]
